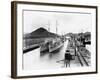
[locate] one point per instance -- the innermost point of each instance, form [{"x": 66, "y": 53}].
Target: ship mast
[
  {"x": 56, "y": 26},
  {"x": 48, "y": 26}
]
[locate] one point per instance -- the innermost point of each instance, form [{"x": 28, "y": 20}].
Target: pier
[{"x": 80, "y": 54}]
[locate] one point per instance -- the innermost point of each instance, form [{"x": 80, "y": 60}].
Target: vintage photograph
[{"x": 54, "y": 39}]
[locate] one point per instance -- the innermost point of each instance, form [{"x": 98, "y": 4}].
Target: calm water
[{"x": 33, "y": 59}]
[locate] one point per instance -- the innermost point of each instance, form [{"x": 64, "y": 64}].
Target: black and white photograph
[{"x": 55, "y": 39}]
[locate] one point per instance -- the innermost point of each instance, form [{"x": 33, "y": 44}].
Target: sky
[{"x": 66, "y": 22}]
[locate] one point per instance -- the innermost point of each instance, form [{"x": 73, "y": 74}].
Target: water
[{"x": 34, "y": 60}]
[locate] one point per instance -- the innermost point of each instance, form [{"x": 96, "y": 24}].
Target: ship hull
[
  {"x": 44, "y": 50},
  {"x": 55, "y": 49}
]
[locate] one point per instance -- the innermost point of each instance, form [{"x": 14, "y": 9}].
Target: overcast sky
[{"x": 67, "y": 22}]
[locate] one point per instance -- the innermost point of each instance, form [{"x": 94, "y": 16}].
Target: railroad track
[
  {"x": 82, "y": 59},
  {"x": 83, "y": 55}
]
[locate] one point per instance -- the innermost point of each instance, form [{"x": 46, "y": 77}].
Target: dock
[{"x": 82, "y": 56}]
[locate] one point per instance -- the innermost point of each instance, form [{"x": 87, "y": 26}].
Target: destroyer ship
[
  {"x": 55, "y": 46},
  {"x": 56, "y": 43}
]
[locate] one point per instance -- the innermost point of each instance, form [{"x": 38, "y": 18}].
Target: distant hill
[
  {"x": 40, "y": 33},
  {"x": 87, "y": 34}
]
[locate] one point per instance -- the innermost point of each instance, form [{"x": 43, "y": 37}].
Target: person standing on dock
[{"x": 67, "y": 58}]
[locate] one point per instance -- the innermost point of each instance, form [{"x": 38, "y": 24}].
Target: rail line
[
  {"x": 82, "y": 59},
  {"x": 79, "y": 60}
]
